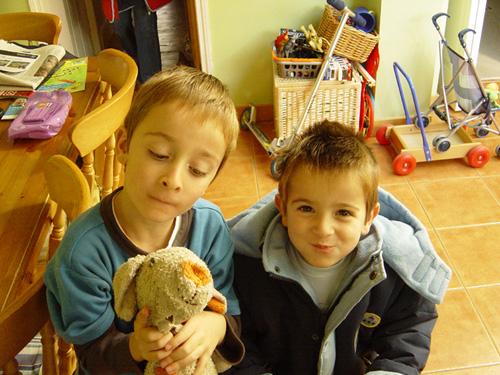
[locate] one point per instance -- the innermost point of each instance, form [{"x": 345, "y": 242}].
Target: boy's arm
[
  {"x": 231, "y": 350},
  {"x": 113, "y": 346},
  {"x": 402, "y": 341}
]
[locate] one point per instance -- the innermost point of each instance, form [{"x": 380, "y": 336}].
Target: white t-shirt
[{"x": 321, "y": 283}]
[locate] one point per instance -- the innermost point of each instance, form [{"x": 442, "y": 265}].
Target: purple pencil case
[{"x": 43, "y": 115}]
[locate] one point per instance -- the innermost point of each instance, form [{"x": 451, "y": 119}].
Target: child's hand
[
  {"x": 195, "y": 341},
  {"x": 147, "y": 343}
]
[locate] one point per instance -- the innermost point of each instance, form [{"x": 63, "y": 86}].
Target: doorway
[
  {"x": 488, "y": 60},
  {"x": 178, "y": 31}
]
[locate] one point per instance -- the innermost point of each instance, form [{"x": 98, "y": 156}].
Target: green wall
[
  {"x": 9, "y": 6},
  {"x": 242, "y": 33}
]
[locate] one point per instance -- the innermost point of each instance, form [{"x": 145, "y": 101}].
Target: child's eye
[
  {"x": 197, "y": 172},
  {"x": 158, "y": 156},
  {"x": 306, "y": 209},
  {"x": 343, "y": 213}
]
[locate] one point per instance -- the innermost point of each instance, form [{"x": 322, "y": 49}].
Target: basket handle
[{"x": 340, "y": 6}]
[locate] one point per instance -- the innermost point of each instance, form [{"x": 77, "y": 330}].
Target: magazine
[
  {"x": 70, "y": 77},
  {"x": 26, "y": 68}
]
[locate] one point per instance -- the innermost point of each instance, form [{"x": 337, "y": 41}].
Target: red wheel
[
  {"x": 478, "y": 156},
  {"x": 381, "y": 135},
  {"x": 404, "y": 163}
]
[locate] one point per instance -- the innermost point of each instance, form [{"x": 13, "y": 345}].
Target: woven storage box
[
  {"x": 354, "y": 44},
  {"x": 334, "y": 100}
]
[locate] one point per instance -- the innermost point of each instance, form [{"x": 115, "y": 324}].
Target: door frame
[{"x": 197, "y": 12}]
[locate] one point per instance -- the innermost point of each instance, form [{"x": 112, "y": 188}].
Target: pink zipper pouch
[{"x": 43, "y": 115}]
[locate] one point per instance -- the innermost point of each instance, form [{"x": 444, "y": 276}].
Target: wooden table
[{"x": 24, "y": 203}]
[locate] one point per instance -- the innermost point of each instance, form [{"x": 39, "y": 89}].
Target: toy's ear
[
  {"x": 124, "y": 287},
  {"x": 217, "y": 303}
]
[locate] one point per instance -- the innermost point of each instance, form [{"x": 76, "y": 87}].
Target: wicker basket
[
  {"x": 296, "y": 68},
  {"x": 354, "y": 44},
  {"x": 334, "y": 100}
]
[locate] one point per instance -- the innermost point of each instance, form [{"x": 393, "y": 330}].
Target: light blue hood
[{"x": 396, "y": 233}]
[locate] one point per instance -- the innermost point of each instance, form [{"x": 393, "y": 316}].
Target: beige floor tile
[
  {"x": 474, "y": 253},
  {"x": 232, "y": 206},
  {"x": 481, "y": 370},
  {"x": 459, "y": 202},
  {"x": 236, "y": 180},
  {"x": 459, "y": 339},
  {"x": 482, "y": 299},
  {"x": 493, "y": 183}
]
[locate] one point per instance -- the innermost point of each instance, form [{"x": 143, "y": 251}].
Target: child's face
[
  {"x": 325, "y": 215},
  {"x": 170, "y": 161}
]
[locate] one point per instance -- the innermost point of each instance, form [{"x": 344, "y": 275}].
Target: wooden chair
[
  {"x": 20, "y": 322},
  {"x": 43, "y": 27},
  {"x": 69, "y": 190},
  {"x": 94, "y": 134},
  {"x": 29, "y": 314}
]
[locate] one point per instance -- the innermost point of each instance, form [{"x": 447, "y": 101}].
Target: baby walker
[{"x": 411, "y": 142}]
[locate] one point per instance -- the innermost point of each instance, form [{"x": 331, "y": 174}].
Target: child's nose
[
  {"x": 323, "y": 226},
  {"x": 172, "y": 178}
]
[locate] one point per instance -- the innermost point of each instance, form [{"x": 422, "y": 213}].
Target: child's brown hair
[
  {"x": 202, "y": 94},
  {"x": 330, "y": 147}
]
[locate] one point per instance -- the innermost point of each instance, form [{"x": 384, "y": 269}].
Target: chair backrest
[
  {"x": 43, "y": 27},
  {"x": 69, "y": 190},
  {"x": 29, "y": 314},
  {"x": 96, "y": 131}
]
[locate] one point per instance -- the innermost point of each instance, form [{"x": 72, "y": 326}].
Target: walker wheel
[
  {"x": 381, "y": 135},
  {"x": 443, "y": 145},
  {"x": 404, "y": 163},
  {"x": 497, "y": 150},
  {"x": 478, "y": 156},
  {"x": 245, "y": 118},
  {"x": 425, "y": 119},
  {"x": 437, "y": 138},
  {"x": 274, "y": 171},
  {"x": 482, "y": 131}
]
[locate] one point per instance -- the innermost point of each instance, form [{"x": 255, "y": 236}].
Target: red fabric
[{"x": 110, "y": 7}]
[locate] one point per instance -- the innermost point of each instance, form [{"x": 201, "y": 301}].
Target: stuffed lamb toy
[{"x": 174, "y": 284}]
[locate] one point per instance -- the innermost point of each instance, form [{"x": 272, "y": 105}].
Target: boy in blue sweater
[
  {"x": 177, "y": 135},
  {"x": 334, "y": 276}
]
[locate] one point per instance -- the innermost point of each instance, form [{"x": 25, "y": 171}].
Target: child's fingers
[
  {"x": 141, "y": 319},
  {"x": 180, "y": 338},
  {"x": 180, "y": 359}
]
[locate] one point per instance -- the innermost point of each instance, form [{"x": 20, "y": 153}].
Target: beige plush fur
[{"x": 174, "y": 284}]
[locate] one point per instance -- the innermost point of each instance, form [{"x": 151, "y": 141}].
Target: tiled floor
[{"x": 458, "y": 204}]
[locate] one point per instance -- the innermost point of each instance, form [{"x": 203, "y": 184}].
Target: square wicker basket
[
  {"x": 334, "y": 100},
  {"x": 354, "y": 44}
]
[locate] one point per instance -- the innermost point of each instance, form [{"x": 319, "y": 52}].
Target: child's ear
[
  {"x": 121, "y": 145},
  {"x": 280, "y": 205},
  {"x": 370, "y": 216}
]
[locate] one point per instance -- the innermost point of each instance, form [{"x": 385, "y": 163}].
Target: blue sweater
[{"x": 79, "y": 277}]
